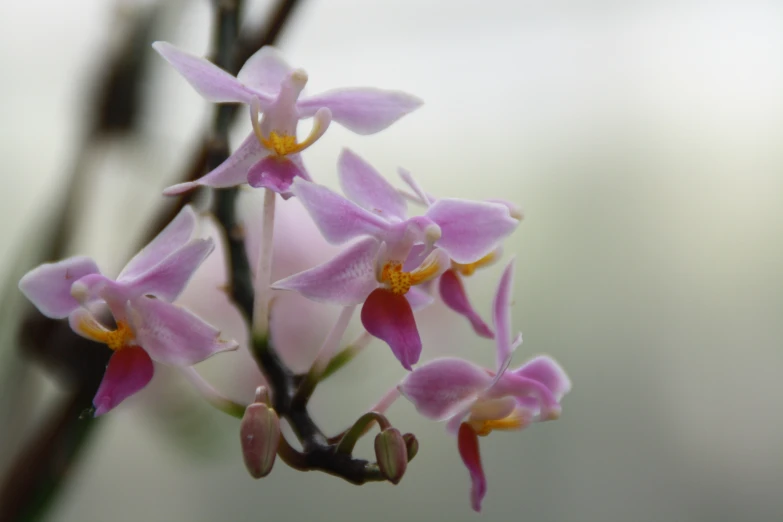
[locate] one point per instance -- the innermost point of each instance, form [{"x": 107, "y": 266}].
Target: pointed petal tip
[{"x": 180, "y": 188}]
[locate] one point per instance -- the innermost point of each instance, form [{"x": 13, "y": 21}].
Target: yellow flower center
[
  {"x": 399, "y": 282},
  {"x": 114, "y": 339},
  {"x": 467, "y": 269},
  {"x": 281, "y": 144},
  {"x": 514, "y": 421}
]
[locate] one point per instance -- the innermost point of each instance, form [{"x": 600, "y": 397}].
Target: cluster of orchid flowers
[{"x": 390, "y": 265}]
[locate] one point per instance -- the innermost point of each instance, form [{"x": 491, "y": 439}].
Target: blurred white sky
[{"x": 641, "y": 137}]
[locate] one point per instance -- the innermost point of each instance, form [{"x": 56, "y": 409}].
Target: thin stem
[
  {"x": 264, "y": 268},
  {"x": 211, "y": 395},
  {"x": 325, "y": 354},
  {"x": 346, "y": 355},
  {"x": 387, "y": 400},
  {"x": 359, "y": 428}
]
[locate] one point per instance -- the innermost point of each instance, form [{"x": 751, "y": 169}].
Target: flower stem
[
  {"x": 325, "y": 354},
  {"x": 346, "y": 355},
  {"x": 359, "y": 428},
  {"x": 211, "y": 395},
  {"x": 387, "y": 400},
  {"x": 264, "y": 268}
]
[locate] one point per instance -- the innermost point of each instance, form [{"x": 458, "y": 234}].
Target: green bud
[
  {"x": 392, "y": 454},
  {"x": 411, "y": 444}
]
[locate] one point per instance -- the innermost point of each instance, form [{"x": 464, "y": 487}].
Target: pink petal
[
  {"x": 423, "y": 198},
  {"x": 548, "y": 372},
  {"x": 48, "y": 286},
  {"x": 338, "y": 218},
  {"x": 168, "y": 278},
  {"x": 84, "y": 323},
  {"x": 389, "y": 317},
  {"x": 470, "y": 229},
  {"x": 265, "y": 71},
  {"x": 362, "y": 110},
  {"x": 209, "y": 80},
  {"x": 532, "y": 394},
  {"x": 443, "y": 387},
  {"x": 274, "y": 173},
  {"x": 501, "y": 313},
  {"x": 173, "y": 335},
  {"x": 129, "y": 370},
  {"x": 231, "y": 172},
  {"x": 467, "y": 442},
  {"x": 346, "y": 279},
  {"x": 170, "y": 238},
  {"x": 418, "y": 298},
  {"x": 452, "y": 291},
  {"x": 365, "y": 186}
]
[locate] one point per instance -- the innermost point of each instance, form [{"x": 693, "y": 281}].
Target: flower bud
[
  {"x": 259, "y": 435},
  {"x": 392, "y": 454},
  {"x": 411, "y": 444}
]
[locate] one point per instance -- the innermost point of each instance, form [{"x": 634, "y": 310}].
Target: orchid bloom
[
  {"x": 450, "y": 284},
  {"x": 148, "y": 326},
  {"x": 269, "y": 157},
  {"x": 466, "y": 230},
  {"x": 475, "y": 401},
  {"x": 371, "y": 273}
]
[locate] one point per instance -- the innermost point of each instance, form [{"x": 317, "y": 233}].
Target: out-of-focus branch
[{"x": 40, "y": 467}]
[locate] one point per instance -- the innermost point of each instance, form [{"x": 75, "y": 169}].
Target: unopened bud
[
  {"x": 391, "y": 454},
  {"x": 259, "y": 435},
  {"x": 411, "y": 444},
  {"x": 262, "y": 395}
]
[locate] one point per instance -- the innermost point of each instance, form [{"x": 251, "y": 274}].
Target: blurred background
[{"x": 640, "y": 137}]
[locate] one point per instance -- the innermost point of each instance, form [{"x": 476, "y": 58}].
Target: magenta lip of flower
[
  {"x": 268, "y": 85},
  {"x": 149, "y": 327},
  {"x": 474, "y": 401},
  {"x": 368, "y": 273}
]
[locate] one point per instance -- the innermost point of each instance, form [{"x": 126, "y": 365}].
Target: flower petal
[
  {"x": 129, "y": 370},
  {"x": 548, "y": 372},
  {"x": 170, "y": 238},
  {"x": 467, "y": 442},
  {"x": 423, "y": 198},
  {"x": 173, "y": 335},
  {"x": 361, "y": 110},
  {"x": 231, "y": 172},
  {"x": 338, "y": 218},
  {"x": 452, "y": 291},
  {"x": 470, "y": 229},
  {"x": 365, "y": 186},
  {"x": 418, "y": 298},
  {"x": 48, "y": 286},
  {"x": 84, "y": 323},
  {"x": 501, "y": 314},
  {"x": 168, "y": 279},
  {"x": 273, "y": 172},
  {"x": 346, "y": 279},
  {"x": 265, "y": 71},
  {"x": 209, "y": 80},
  {"x": 389, "y": 317},
  {"x": 535, "y": 396},
  {"x": 443, "y": 387}
]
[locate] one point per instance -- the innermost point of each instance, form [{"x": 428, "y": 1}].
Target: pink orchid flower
[
  {"x": 368, "y": 273},
  {"x": 466, "y": 230},
  {"x": 270, "y": 157},
  {"x": 148, "y": 327},
  {"x": 474, "y": 401},
  {"x": 450, "y": 284}
]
